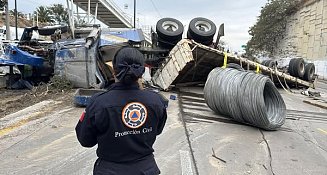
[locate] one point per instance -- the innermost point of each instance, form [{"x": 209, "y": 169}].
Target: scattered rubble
[{"x": 15, "y": 100}]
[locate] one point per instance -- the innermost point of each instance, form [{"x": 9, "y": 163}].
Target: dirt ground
[{"x": 15, "y": 100}]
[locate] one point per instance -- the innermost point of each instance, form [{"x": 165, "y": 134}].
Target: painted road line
[
  {"x": 19, "y": 123},
  {"x": 27, "y": 118},
  {"x": 23, "y": 114},
  {"x": 186, "y": 162},
  {"x": 323, "y": 131}
]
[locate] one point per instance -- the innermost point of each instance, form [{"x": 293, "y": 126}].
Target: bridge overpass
[{"x": 105, "y": 11}]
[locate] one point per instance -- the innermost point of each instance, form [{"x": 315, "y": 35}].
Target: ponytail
[{"x": 128, "y": 64}]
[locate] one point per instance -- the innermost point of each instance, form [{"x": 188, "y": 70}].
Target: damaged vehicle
[{"x": 34, "y": 58}]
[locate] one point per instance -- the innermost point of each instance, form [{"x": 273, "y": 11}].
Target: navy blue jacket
[{"x": 124, "y": 122}]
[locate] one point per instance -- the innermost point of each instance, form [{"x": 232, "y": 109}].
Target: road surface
[{"x": 41, "y": 140}]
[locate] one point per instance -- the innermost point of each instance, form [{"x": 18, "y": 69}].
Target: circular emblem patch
[{"x": 134, "y": 115}]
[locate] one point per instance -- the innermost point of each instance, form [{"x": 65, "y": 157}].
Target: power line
[{"x": 154, "y": 6}]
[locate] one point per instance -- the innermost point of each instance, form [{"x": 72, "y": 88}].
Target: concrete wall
[{"x": 306, "y": 35}]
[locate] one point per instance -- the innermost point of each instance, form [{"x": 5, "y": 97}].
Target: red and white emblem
[{"x": 134, "y": 115}]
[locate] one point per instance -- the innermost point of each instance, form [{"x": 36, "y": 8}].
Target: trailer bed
[{"x": 191, "y": 62}]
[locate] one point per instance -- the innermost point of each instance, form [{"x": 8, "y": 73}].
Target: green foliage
[
  {"x": 44, "y": 13},
  {"x": 55, "y": 13},
  {"x": 19, "y": 14},
  {"x": 271, "y": 26},
  {"x": 60, "y": 13}
]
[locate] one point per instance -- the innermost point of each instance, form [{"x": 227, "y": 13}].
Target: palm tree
[
  {"x": 19, "y": 14},
  {"x": 60, "y": 13},
  {"x": 44, "y": 14}
]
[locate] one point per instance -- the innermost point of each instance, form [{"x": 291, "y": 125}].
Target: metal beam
[
  {"x": 16, "y": 19},
  {"x": 88, "y": 11},
  {"x": 96, "y": 12},
  {"x": 105, "y": 8},
  {"x": 77, "y": 13},
  {"x": 116, "y": 13},
  {"x": 7, "y": 22},
  {"x": 73, "y": 20},
  {"x": 134, "y": 13}
]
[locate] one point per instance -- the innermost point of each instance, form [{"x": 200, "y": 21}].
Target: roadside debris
[
  {"x": 214, "y": 155},
  {"x": 13, "y": 100},
  {"x": 172, "y": 97},
  {"x": 60, "y": 83},
  {"x": 311, "y": 93}
]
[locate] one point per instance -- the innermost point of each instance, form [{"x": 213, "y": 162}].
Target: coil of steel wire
[{"x": 245, "y": 97}]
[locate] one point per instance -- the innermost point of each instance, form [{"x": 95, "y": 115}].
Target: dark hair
[{"x": 128, "y": 64}]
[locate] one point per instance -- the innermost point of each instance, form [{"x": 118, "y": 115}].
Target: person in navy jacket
[{"x": 124, "y": 121}]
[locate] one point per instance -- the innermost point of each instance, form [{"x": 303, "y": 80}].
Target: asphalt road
[{"x": 194, "y": 141}]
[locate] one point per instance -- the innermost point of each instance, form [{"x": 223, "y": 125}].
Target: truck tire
[
  {"x": 290, "y": 67},
  {"x": 298, "y": 67},
  {"x": 169, "y": 29},
  {"x": 264, "y": 62},
  {"x": 201, "y": 30},
  {"x": 167, "y": 44},
  {"x": 309, "y": 72},
  {"x": 207, "y": 43},
  {"x": 271, "y": 63}
]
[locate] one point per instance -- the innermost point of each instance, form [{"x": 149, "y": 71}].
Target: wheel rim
[
  {"x": 302, "y": 67},
  {"x": 170, "y": 26},
  {"x": 312, "y": 71},
  {"x": 203, "y": 26}
]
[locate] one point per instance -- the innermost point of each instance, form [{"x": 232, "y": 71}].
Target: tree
[
  {"x": 60, "y": 13},
  {"x": 19, "y": 14},
  {"x": 270, "y": 27},
  {"x": 3, "y": 4},
  {"x": 44, "y": 14}
]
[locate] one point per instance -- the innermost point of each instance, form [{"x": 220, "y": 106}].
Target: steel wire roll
[{"x": 245, "y": 97}]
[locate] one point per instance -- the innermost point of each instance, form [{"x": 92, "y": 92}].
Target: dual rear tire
[
  {"x": 269, "y": 63},
  {"x": 170, "y": 31},
  {"x": 298, "y": 68},
  {"x": 309, "y": 71},
  {"x": 201, "y": 30}
]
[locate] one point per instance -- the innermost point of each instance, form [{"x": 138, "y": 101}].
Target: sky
[{"x": 238, "y": 16}]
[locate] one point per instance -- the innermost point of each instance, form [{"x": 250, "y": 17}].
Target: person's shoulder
[
  {"x": 98, "y": 95},
  {"x": 97, "y": 99}
]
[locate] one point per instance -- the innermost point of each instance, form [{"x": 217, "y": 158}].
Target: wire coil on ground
[{"x": 245, "y": 97}]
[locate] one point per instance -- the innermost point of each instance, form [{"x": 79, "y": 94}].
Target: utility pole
[
  {"x": 7, "y": 21},
  {"x": 88, "y": 11},
  {"x": 16, "y": 19},
  {"x": 37, "y": 18},
  {"x": 134, "y": 14}
]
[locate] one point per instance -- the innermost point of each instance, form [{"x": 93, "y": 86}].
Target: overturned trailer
[
  {"x": 187, "y": 63},
  {"x": 190, "y": 62}
]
